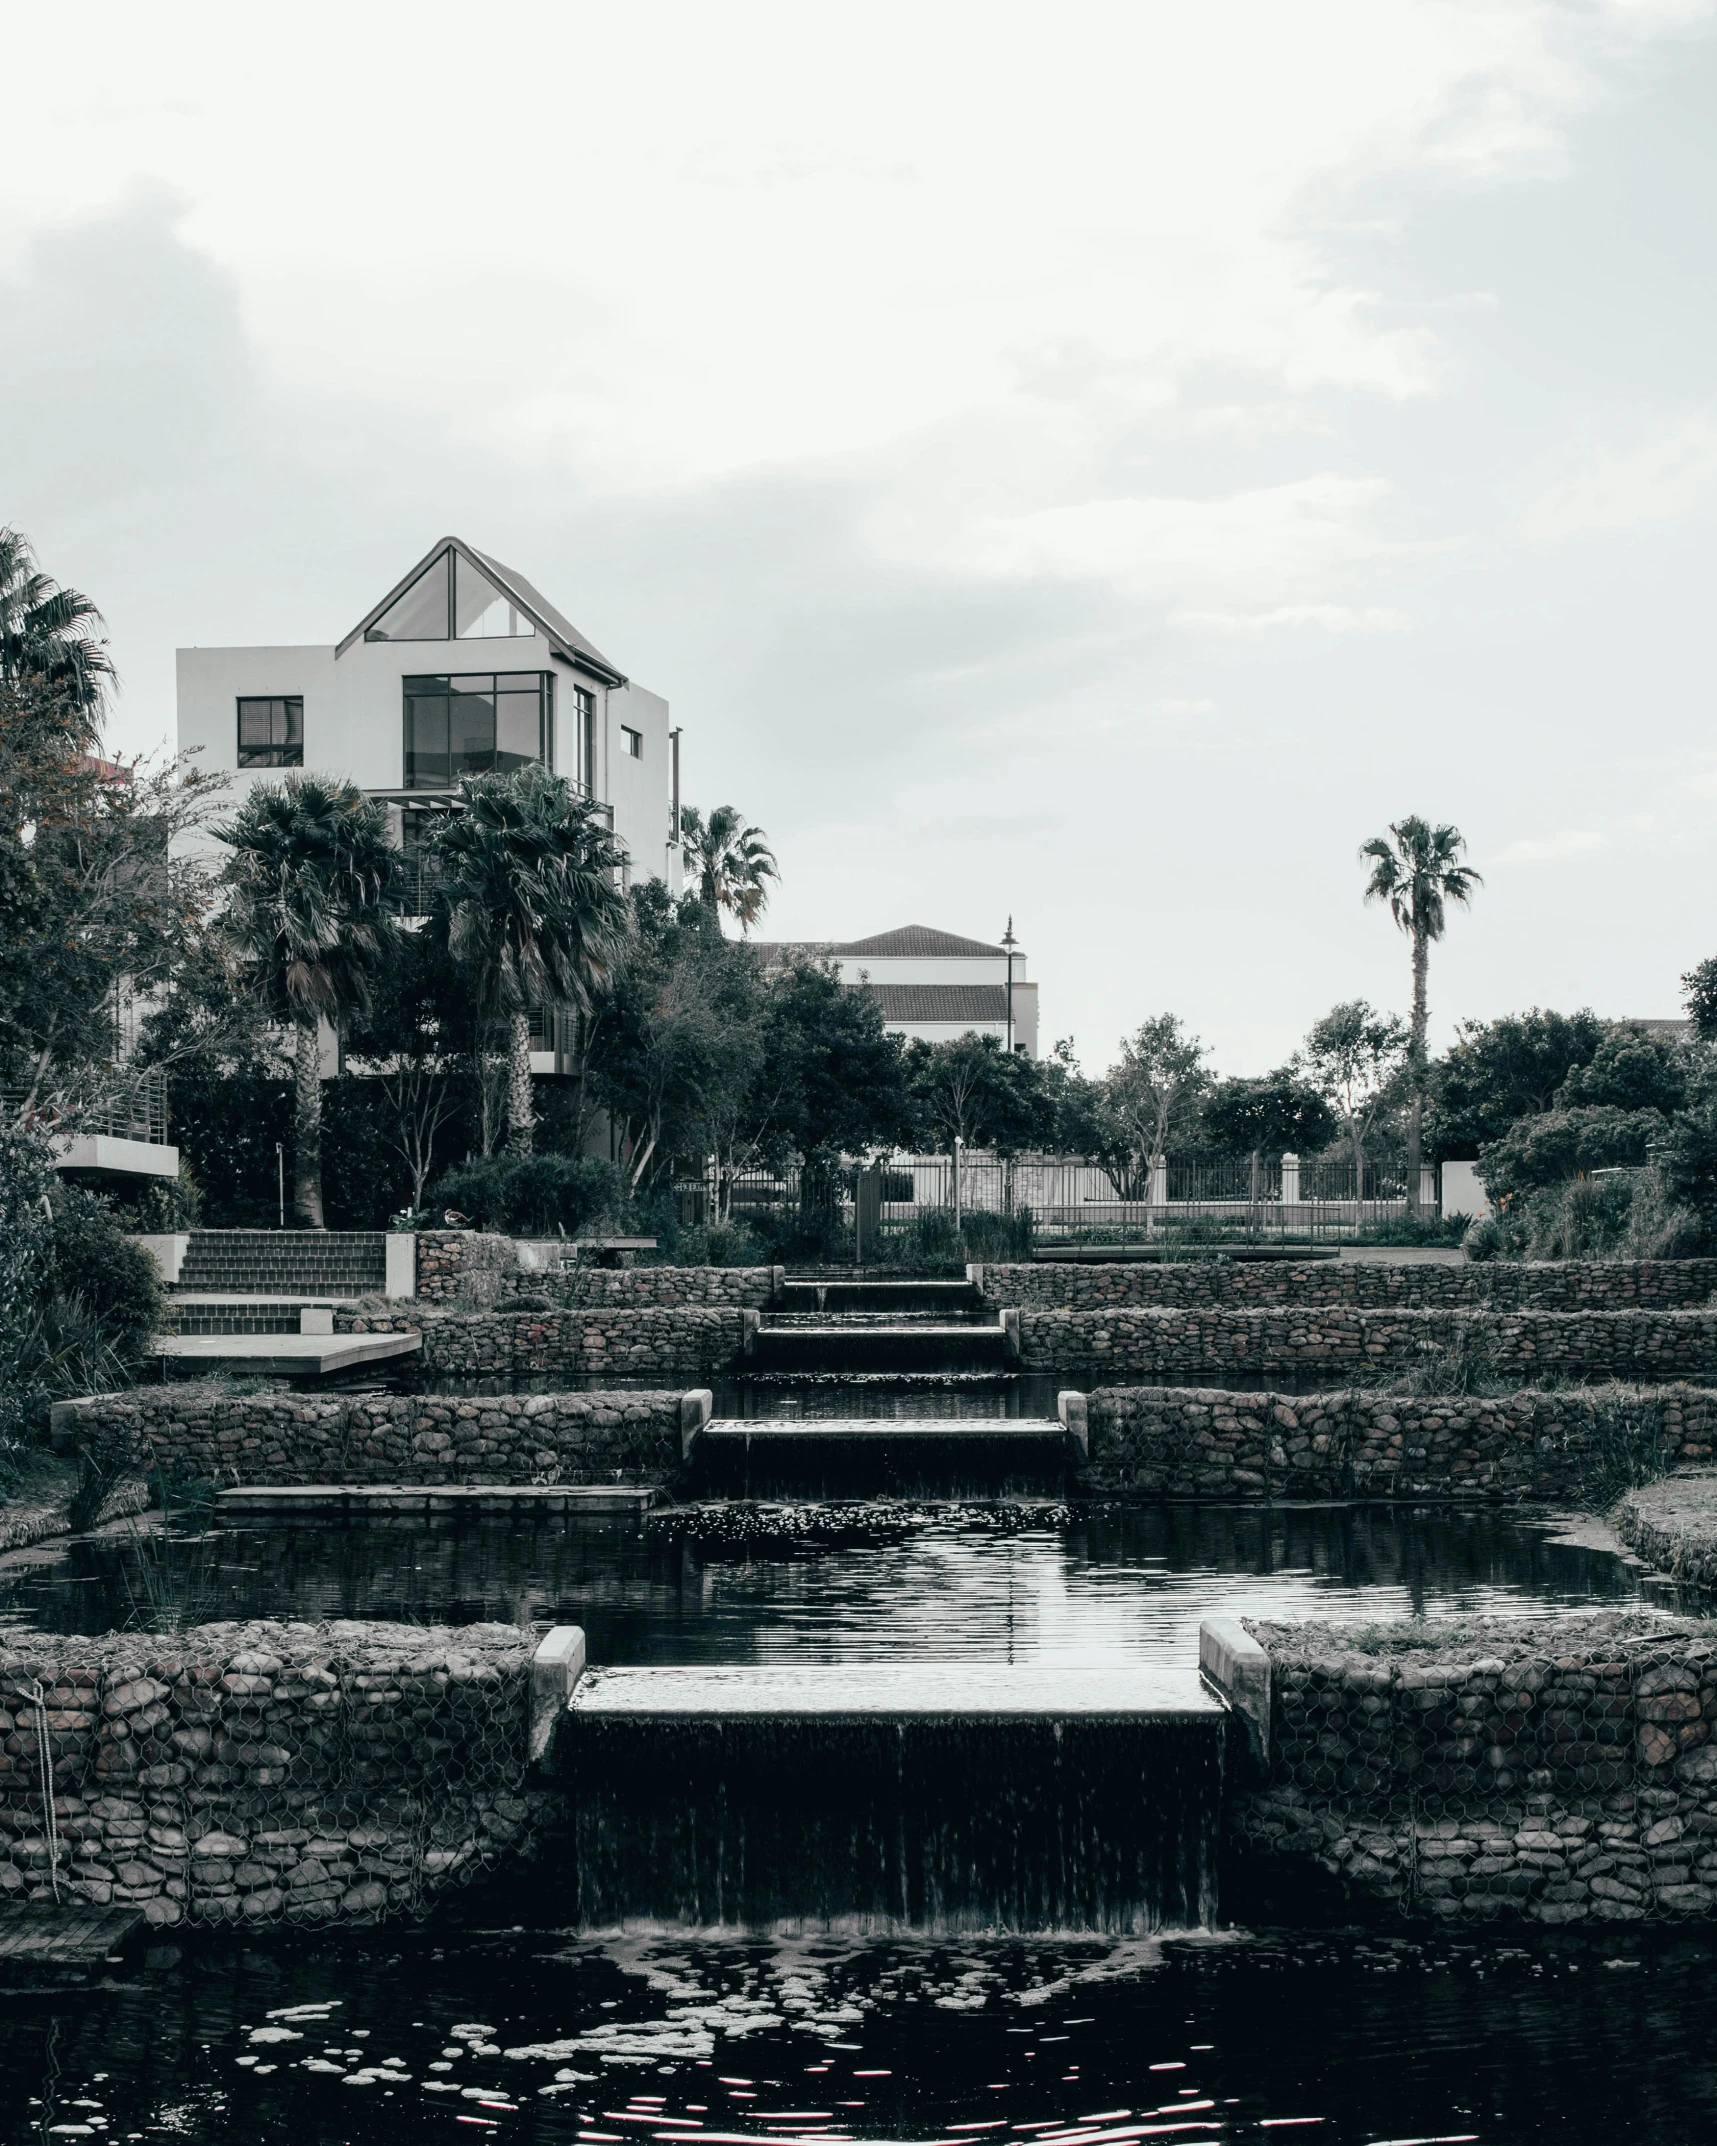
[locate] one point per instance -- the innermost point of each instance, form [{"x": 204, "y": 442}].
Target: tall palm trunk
[
  {"x": 1416, "y": 1064},
  {"x": 307, "y": 1125},
  {"x": 519, "y": 1108}
]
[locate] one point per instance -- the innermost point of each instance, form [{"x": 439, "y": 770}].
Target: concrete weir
[{"x": 941, "y": 1797}]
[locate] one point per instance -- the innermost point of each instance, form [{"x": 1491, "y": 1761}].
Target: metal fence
[
  {"x": 1072, "y": 1201},
  {"x": 134, "y": 1108}
]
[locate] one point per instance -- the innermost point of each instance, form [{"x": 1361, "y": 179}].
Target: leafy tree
[
  {"x": 51, "y": 647},
  {"x": 411, "y": 1040},
  {"x": 1630, "y": 1070},
  {"x": 1499, "y": 1071},
  {"x": 1699, "y": 996},
  {"x": 308, "y": 914},
  {"x": 831, "y": 1076},
  {"x": 1686, "y": 1158},
  {"x": 95, "y": 909},
  {"x": 1554, "y": 1146},
  {"x": 1156, "y": 1085},
  {"x": 970, "y": 1089},
  {"x": 1272, "y": 1113},
  {"x": 1416, "y": 869},
  {"x": 731, "y": 863},
  {"x": 1354, "y": 1058},
  {"x": 529, "y": 906}
]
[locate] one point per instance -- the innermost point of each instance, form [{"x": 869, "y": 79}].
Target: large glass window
[
  {"x": 271, "y": 731},
  {"x": 451, "y": 600},
  {"x": 476, "y": 724}
]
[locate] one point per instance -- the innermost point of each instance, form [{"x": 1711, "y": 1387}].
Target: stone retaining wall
[
  {"x": 202, "y": 1432},
  {"x": 1315, "y": 1342},
  {"x": 1181, "y": 1442},
  {"x": 1360, "y": 1285},
  {"x": 688, "y": 1342},
  {"x": 1561, "y": 1770},
  {"x": 1673, "y": 1525},
  {"x": 473, "y": 1265},
  {"x": 263, "y": 1773}
]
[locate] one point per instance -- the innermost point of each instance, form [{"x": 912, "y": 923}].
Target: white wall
[{"x": 354, "y": 720}]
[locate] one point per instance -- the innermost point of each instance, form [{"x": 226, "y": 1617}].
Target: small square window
[
  {"x": 633, "y": 740},
  {"x": 271, "y": 732}
]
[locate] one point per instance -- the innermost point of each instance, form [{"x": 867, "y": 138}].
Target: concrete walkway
[{"x": 293, "y": 1356}]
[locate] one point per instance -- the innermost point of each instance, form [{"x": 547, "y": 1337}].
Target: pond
[
  {"x": 1109, "y": 1585},
  {"x": 501, "y": 2021}
]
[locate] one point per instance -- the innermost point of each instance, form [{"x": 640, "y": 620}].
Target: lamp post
[{"x": 1010, "y": 942}]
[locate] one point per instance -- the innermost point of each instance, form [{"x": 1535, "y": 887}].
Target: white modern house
[
  {"x": 934, "y": 984},
  {"x": 462, "y": 668}
]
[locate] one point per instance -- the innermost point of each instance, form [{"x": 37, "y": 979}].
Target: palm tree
[
  {"x": 50, "y": 638},
  {"x": 308, "y": 913},
  {"x": 1416, "y": 869},
  {"x": 732, "y": 862},
  {"x": 529, "y": 905}
]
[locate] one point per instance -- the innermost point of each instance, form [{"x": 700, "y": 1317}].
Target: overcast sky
[{"x": 1098, "y": 463}]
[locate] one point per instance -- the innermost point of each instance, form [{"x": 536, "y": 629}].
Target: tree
[
  {"x": 732, "y": 863},
  {"x": 1555, "y": 1146},
  {"x": 1273, "y": 1113},
  {"x": 1499, "y": 1071},
  {"x": 1161, "y": 1074},
  {"x": 1630, "y": 1070},
  {"x": 529, "y": 906},
  {"x": 96, "y": 911},
  {"x": 1699, "y": 996},
  {"x": 410, "y": 1036},
  {"x": 50, "y": 640},
  {"x": 1416, "y": 869},
  {"x": 308, "y": 882},
  {"x": 1354, "y": 1058}
]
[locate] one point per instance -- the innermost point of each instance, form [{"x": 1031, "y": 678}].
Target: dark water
[
  {"x": 1118, "y": 1585},
  {"x": 527, "y": 2034}
]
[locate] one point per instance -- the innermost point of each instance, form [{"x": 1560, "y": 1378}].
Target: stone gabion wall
[
  {"x": 1561, "y": 1770},
  {"x": 209, "y": 1435},
  {"x": 638, "y": 1287},
  {"x": 450, "y": 1261},
  {"x": 1167, "y": 1441},
  {"x": 682, "y": 1342},
  {"x": 1359, "y": 1285},
  {"x": 1205, "y": 1344},
  {"x": 262, "y": 1773}
]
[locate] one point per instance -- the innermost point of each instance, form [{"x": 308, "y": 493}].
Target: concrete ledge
[
  {"x": 262, "y": 1499},
  {"x": 1075, "y": 1416},
  {"x": 696, "y": 1409},
  {"x": 401, "y": 1251},
  {"x": 1235, "y": 1664},
  {"x": 556, "y": 1667},
  {"x": 1010, "y": 1337}
]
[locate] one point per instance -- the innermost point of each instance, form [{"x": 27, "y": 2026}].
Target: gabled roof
[
  {"x": 553, "y": 625},
  {"x": 968, "y": 1003},
  {"x": 918, "y": 941}
]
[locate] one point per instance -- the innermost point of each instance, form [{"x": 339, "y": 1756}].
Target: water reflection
[
  {"x": 1114, "y": 1585},
  {"x": 523, "y": 2032}
]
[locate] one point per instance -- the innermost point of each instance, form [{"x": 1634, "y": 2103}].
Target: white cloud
[
  {"x": 1669, "y": 473},
  {"x": 1553, "y": 849}
]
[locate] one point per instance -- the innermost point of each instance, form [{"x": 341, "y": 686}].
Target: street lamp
[{"x": 1010, "y": 942}]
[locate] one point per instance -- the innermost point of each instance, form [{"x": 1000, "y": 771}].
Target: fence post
[
  {"x": 1429, "y": 1204},
  {"x": 1290, "y": 1181}
]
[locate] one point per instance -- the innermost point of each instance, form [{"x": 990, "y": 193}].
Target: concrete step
[{"x": 885, "y": 1349}]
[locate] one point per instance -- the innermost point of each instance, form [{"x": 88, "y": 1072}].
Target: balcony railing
[{"x": 133, "y": 1108}]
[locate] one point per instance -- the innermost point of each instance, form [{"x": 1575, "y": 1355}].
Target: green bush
[
  {"x": 716, "y": 1244},
  {"x": 1555, "y": 1146},
  {"x": 539, "y": 1196},
  {"x": 997, "y": 1237},
  {"x": 90, "y": 1258}
]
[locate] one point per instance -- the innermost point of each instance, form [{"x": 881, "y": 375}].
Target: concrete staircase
[{"x": 240, "y": 1263}]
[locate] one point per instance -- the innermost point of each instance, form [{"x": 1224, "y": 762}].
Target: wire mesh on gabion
[
  {"x": 262, "y": 1772},
  {"x": 1563, "y": 1771}
]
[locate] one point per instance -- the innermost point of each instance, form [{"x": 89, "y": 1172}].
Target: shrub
[
  {"x": 1555, "y": 1146},
  {"x": 537, "y": 1196},
  {"x": 90, "y": 1258},
  {"x": 1483, "y": 1239},
  {"x": 997, "y": 1237},
  {"x": 716, "y": 1244}
]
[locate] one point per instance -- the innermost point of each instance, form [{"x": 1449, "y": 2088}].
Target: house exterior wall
[{"x": 354, "y": 721}]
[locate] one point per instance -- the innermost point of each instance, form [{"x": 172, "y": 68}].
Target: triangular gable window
[
  {"x": 480, "y": 611},
  {"x": 424, "y": 611}
]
